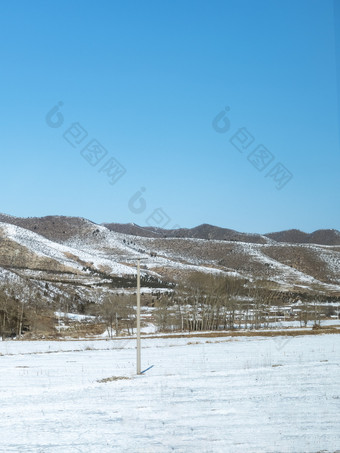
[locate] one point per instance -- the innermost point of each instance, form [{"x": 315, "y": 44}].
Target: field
[{"x": 224, "y": 394}]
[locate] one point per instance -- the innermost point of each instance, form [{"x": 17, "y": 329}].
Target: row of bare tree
[
  {"x": 210, "y": 302},
  {"x": 201, "y": 302},
  {"x": 117, "y": 311}
]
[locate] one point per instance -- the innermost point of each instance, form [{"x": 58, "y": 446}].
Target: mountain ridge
[
  {"x": 60, "y": 228},
  {"x": 212, "y": 232}
]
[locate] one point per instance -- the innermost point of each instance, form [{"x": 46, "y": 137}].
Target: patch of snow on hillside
[{"x": 45, "y": 248}]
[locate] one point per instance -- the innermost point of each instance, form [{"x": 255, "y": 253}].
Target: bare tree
[{"x": 117, "y": 310}]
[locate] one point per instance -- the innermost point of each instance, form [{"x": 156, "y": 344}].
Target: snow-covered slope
[
  {"x": 92, "y": 251},
  {"x": 68, "y": 256}
]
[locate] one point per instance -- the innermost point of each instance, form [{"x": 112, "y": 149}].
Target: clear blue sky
[{"x": 146, "y": 80}]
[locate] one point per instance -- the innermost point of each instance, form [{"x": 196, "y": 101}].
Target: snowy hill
[{"x": 77, "y": 256}]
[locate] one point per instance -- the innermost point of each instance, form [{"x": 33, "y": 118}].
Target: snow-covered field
[{"x": 227, "y": 394}]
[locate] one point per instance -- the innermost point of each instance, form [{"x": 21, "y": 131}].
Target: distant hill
[
  {"x": 210, "y": 232},
  {"x": 204, "y": 231},
  {"x": 322, "y": 237}
]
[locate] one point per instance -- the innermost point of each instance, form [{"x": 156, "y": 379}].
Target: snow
[
  {"x": 150, "y": 328},
  {"x": 224, "y": 394},
  {"x": 6, "y": 275},
  {"x": 113, "y": 242},
  {"x": 310, "y": 323},
  {"x": 116, "y": 252},
  {"x": 66, "y": 255},
  {"x": 74, "y": 316}
]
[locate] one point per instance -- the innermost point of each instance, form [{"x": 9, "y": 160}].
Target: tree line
[{"x": 219, "y": 302}]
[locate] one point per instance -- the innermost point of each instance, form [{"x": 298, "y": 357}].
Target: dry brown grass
[
  {"x": 81, "y": 330},
  {"x": 113, "y": 378},
  {"x": 272, "y": 333}
]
